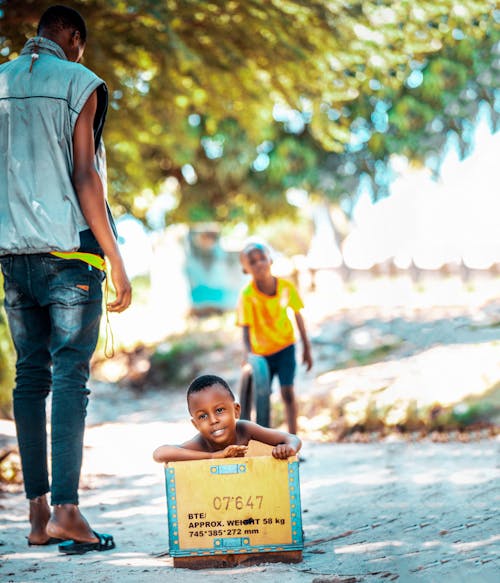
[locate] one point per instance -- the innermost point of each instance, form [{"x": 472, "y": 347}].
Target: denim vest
[{"x": 40, "y": 101}]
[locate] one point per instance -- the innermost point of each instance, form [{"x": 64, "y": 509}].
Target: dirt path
[
  {"x": 371, "y": 512},
  {"x": 384, "y": 511}
]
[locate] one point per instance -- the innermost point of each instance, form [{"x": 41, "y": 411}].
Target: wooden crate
[{"x": 234, "y": 510}]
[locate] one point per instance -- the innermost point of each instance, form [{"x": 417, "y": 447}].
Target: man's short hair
[
  {"x": 58, "y": 17},
  {"x": 205, "y": 381}
]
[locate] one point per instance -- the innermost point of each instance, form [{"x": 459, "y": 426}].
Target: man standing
[{"x": 55, "y": 229}]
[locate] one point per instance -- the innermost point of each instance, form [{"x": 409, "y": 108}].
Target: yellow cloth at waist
[{"x": 91, "y": 258}]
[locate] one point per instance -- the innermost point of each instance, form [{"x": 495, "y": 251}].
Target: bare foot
[
  {"x": 68, "y": 522},
  {"x": 39, "y": 517}
]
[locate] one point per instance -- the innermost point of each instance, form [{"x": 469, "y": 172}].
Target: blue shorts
[{"x": 283, "y": 364}]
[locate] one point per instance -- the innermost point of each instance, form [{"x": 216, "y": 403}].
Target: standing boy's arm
[{"x": 306, "y": 346}]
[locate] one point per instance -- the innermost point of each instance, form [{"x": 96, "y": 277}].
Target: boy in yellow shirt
[{"x": 267, "y": 329}]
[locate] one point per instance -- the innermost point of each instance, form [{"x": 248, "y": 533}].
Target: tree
[{"x": 360, "y": 80}]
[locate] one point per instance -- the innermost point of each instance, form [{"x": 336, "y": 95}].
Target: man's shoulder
[
  {"x": 12, "y": 64},
  {"x": 78, "y": 70}
]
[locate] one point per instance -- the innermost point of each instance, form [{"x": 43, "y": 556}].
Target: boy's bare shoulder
[
  {"x": 196, "y": 444},
  {"x": 244, "y": 431}
]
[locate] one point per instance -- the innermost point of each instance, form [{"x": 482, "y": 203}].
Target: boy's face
[
  {"x": 257, "y": 263},
  {"x": 214, "y": 414}
]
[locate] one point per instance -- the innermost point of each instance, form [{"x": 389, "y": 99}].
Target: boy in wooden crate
[{"x": 215, "y": 414}]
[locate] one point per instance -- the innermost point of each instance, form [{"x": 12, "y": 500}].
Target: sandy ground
[
  {"x": 383, "y": 511},
  {"x": 390, "y": 510}
]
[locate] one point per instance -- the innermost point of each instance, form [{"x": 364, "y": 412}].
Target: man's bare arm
[{"x": 90, "y": 194}]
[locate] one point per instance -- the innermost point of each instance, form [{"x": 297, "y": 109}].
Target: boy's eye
[
  {"x": 202, "y": 416},
  {"x": 219, "y": 409}
]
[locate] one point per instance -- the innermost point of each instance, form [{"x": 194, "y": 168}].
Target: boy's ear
[
  {"x": 193, "y": 421},
  {"x": 244, "y": 270},
  {"x": 237, "y": 410}
]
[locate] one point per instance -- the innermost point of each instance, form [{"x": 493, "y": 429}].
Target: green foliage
[
  {"x": 204, "y": 346},
  {"x": 365, "y": 357},
  {"x": 286, "y": 237},
  {"x": 365, "y": 78},
  {"x": 6, "y": 360},
  {"x": 172, "y": 364}
]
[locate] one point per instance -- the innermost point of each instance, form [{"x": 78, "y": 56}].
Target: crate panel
[{"x": 234, "y": 505}]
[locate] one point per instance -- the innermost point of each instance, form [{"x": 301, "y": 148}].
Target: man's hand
[
  {"x": 283, "y": 451},
  {"x": 231, "y": 451},
  {"x": 122, "y": 286}
]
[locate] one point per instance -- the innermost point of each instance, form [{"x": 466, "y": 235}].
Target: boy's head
[
  {"x": 255, "y": 258},
  {"x": 214, "y": 410}
]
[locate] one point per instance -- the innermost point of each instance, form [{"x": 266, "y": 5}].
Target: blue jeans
[{"x": 54, "y": 308}]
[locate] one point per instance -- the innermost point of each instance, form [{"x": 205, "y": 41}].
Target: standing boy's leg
[
  {"x": 75, "y": 332},
  {"x": 30, "y": 330},
  {"x": 245, "y": 392},
  {"x": 261, "y": 388},
  {"x": 286, "y": 373},
  {"x": 291, "y": 409},
  {"x": 75, "y": 296}
]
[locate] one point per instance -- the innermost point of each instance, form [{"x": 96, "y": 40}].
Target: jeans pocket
[{"x": 68, "y": 280}]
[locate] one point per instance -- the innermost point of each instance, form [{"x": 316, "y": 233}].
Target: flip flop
[
  {"x": 51, "y": 541},
  {"x": 71, "y": 547}
]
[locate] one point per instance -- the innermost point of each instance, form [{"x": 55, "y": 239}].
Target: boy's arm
[
  {"x": 90, "y": 194},
  {"x": 306, "y": 346},
  {"x": 185, "y": 452},
  {"x": 285, "y": 444}
]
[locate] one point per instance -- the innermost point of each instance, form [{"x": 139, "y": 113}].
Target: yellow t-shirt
[{"x": 266, "y": 316}]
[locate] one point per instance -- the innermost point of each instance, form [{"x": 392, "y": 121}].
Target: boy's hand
[
  {"x": 245, "y": 357},
  {"x": 283, "y": 451},
  {"x": 231, "y": 451},
  {"x": 307, "y": 358},
  {"x": 246, "y": 367}
]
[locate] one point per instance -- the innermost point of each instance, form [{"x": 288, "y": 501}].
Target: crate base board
[{"x": 233, "y": 560}]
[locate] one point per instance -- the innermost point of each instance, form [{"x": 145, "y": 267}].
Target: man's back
[{"x": 40, "y": 100}]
